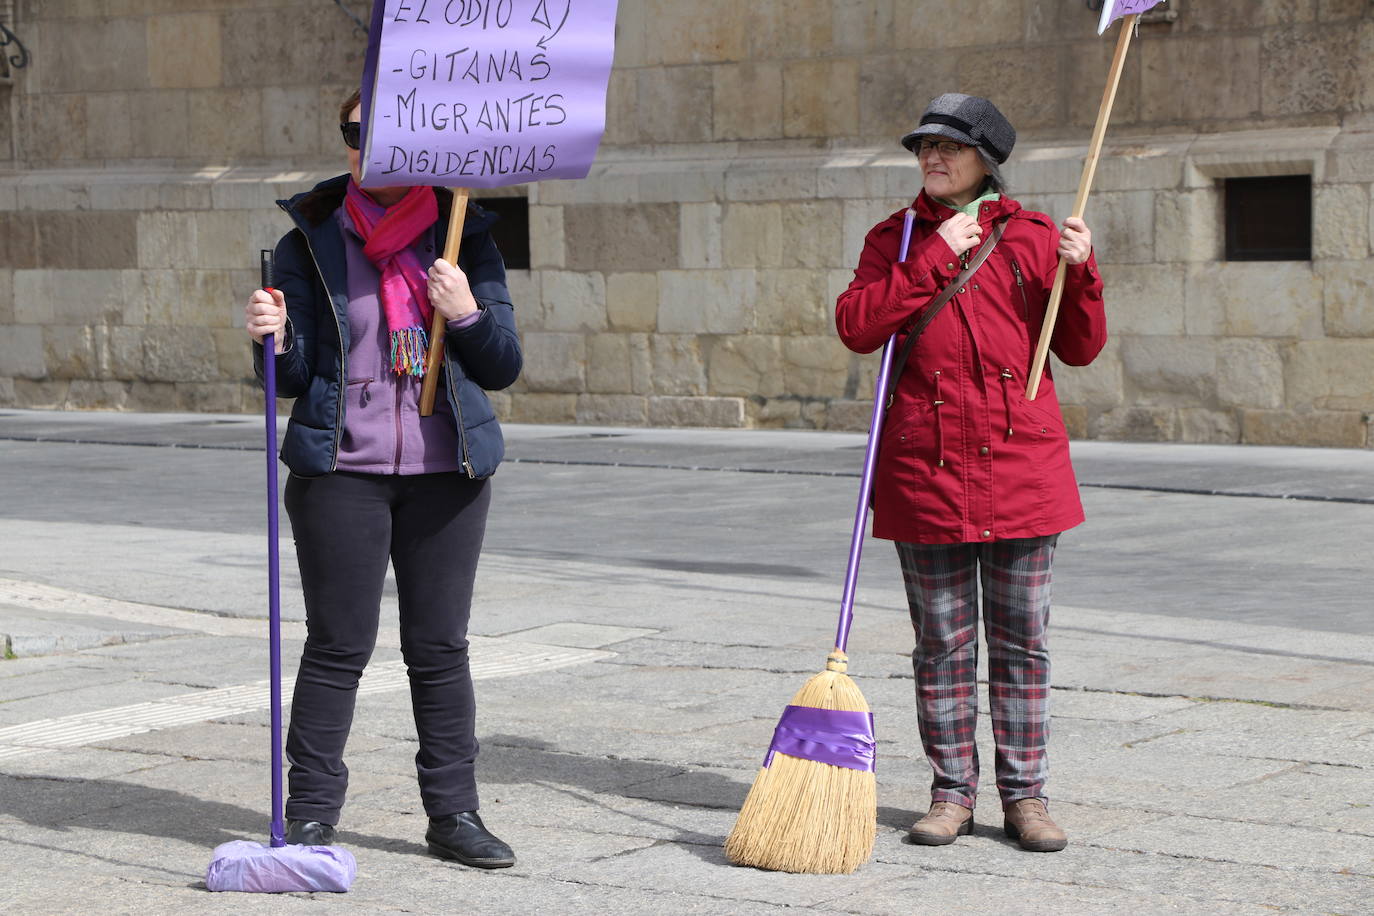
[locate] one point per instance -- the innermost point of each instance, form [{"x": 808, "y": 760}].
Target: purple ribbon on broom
[{"x": 834, "y": 736}]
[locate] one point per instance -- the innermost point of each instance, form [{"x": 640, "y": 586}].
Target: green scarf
[{"x": 971, "y": 208}]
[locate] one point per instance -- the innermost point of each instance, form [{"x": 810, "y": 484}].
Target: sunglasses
[{"x": 352, "y": 134}]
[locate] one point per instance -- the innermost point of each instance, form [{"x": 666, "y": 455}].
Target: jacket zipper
[
  {"x": 1006, "y": 397},
  {"x": 456, "y": 402},
  {"x": 449, "y": 382},
  {"x": 939, "y": 425},
  {"x": 400, "y": 429},
  {"x": 1021, "y": 285},
  {"x": 458, "y": 413},
  {"x": 343, "y": 353}
]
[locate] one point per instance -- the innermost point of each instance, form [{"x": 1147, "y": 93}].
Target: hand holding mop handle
[
  {"x": 269, "y": 385},
  {"x": 875, "y": 428}
]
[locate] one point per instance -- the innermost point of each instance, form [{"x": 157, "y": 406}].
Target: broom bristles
[{"x": 805, "y": 816}]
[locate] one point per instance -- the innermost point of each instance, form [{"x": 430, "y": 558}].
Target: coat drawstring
[
  {"x": 939, "y": 425},
  {"x": 1006, "y": 397}
]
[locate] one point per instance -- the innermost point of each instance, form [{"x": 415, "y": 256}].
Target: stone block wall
[
  {"x": 691, "y": 278},
  {"x": 141, "y": 150},
  {"x": 125, "y": 290},
  {"x": 1205, "y": 350}
]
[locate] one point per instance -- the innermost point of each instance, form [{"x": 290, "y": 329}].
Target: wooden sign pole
[
  {"x": 434, "y": 357},
  {"x": 1104, "y": 114}
]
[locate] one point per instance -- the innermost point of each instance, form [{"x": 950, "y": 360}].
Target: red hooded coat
[{"x": 964, "y": 456}]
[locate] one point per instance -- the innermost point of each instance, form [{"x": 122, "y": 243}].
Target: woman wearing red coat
[{"x": 973, "y": 481}]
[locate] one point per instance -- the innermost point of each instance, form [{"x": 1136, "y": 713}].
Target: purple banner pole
[
  {"x": 875, "y": 428},
  {"x": 484, "y": 93}
]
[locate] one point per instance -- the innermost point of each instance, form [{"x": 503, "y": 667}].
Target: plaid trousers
[{"x": 942, "y": 591}]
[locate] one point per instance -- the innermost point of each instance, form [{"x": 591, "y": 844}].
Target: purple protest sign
[
  {"x": 1113, "y": 10},
  {"x": 484, "y": 93}
]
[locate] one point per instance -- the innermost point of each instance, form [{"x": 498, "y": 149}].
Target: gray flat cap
[{"x": 967, "y": 119}]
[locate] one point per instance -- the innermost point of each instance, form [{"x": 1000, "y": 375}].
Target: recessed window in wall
[
  {"x": 512, "y": 230},
  {"x": 1269, "y": 219}
]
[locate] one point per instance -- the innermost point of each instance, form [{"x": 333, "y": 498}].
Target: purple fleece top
[{"x": 383, "y": 431}]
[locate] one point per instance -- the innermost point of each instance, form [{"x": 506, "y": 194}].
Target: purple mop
[{"x": 242, "y": 865}]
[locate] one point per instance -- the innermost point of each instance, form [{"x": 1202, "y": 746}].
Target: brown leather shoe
[
  {"x": 1028, "y": 822},
  {"x": 942, "y": 824}
]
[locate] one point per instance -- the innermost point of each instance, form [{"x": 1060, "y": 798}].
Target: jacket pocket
[
  {"x": 307, "y": 450},
  {"x": 1041, "y": 416},
  {"x": 360, "y": 388},
  {"x": 906, "y": 456},
  {"x": 1021, "y": 290},
  {"x": 477, "y": 408},
  {"x": 1047, "y": 451}
]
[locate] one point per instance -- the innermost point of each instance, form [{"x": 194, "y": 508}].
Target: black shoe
[
  {"x": 464, "y": 838},
  {"x": 309, "y": 833}
]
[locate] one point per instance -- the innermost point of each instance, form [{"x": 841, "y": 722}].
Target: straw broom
[{"x": 805, "y": 814}]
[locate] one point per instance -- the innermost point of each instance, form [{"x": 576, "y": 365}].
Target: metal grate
[{"x": 1269, "y": 218}]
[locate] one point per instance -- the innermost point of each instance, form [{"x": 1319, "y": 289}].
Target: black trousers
[{"x": 347, "y": 526}]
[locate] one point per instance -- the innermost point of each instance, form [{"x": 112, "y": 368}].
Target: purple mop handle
[
  {"x": 269, "y": 379},
  {"x": 875, "y": 428},
  {"x": 269, "y": 386}
]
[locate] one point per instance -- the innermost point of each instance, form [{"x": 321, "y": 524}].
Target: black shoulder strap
[{"x": 938, "y": 303}]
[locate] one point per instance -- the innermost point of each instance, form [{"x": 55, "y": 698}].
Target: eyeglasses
[
  {"x": 352, "y": 134},
  {"x": 948, "y": 149}
]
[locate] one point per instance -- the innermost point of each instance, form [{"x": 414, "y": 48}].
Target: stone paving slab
[
  {"x": 955, "y": 893},
  {"x": 208, "y": 741},
  {"x": 1358, "y": 694},
  {"x": 83, "y": 763},
  {"x": 25, "y": 633},
  {"x": 684, "y": 868},
  {"x": 1312, "y": 795},
  {"x": 1095, "y": 866},
  {"x": 31, "y": 677},
  {"x": 1335, "y": 749},
  {"x": 78, "y": 698},
  {"x": 1118, "y": 707},
  {"x": 587, "y": 635},
  {"x": 149, "y": 565},
  {"x": 1228, "y": 675},
  {"x": 1255, "y": 844}
]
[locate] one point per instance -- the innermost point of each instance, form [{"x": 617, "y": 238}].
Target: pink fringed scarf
[{"x": 388, "y": 233}]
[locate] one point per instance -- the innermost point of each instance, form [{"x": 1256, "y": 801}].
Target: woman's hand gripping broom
[{"x": 814, "y": 807}]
